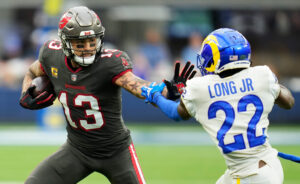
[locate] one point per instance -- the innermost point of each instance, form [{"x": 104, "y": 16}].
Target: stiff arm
[{"x": 133, "y": 84}]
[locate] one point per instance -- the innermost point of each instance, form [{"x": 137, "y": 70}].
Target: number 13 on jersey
[{"x": 94, "y": 111}]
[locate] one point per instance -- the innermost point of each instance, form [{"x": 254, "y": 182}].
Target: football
[{"x": 41, "y": 84}]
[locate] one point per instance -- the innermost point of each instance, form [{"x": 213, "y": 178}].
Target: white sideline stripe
[
  {"x": 11, "y": 182},
  {"x": 32, "y": 137},
  {"x": 43, "y": 137}
]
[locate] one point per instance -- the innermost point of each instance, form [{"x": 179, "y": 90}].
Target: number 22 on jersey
[
  {"x": 239, "y": 142},
  {"x": 93, "y": 112}
]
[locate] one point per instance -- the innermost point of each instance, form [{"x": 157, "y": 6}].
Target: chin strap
[{"x": 84, "y": 61}]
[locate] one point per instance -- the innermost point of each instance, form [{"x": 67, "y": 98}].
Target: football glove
[
  {"x": 148, "y": 92},
  {"x": 43, "y": 100},
  {"x": 176, "y": 85}
]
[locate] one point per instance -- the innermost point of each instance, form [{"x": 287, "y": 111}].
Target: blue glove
[{"x": 149, "y": 92}]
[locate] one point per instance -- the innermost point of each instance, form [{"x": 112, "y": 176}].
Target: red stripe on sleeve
[
  {"x": 42, "y": 68},
  {"x": 120, "y": 74}
]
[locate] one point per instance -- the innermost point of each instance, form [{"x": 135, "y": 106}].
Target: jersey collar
[{"x": 68, "y": 64}]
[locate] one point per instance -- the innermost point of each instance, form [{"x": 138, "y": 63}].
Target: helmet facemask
[
  {"x": 201, "y": 64},
  {"x": 79, "y": 54}
]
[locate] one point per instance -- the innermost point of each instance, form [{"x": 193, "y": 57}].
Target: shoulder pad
[
  {"x": 53, "y": 45},
  {"x": 111, "y": 53},
  {"x": 49, "y": 48}
]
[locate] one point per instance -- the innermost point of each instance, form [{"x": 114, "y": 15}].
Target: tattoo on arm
[
  {"x": 138, "y": 82},
  {"x": 133, "y": 84},
  {"x": 124, "y": 82}
]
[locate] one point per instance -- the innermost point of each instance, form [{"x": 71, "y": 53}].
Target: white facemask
[{"x": 84, "y": 61}]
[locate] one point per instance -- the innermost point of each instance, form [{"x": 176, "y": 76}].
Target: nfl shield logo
[{"x": 73, "y": 77}]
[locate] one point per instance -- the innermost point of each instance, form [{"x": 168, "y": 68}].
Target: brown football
[{"x": 42, "y": 84}]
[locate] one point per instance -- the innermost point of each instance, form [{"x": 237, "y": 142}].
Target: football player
[
  {"x": 232, "y": 101},
  {"x": 87, "y": 81}
]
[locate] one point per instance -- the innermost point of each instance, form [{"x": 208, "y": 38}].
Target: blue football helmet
[{"x": 223, "y": 49}]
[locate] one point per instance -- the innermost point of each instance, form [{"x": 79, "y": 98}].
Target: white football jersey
[{"x": 234, "y": 111}]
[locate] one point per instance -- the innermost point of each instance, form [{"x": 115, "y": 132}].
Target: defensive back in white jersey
[{"x": 234, "y": 111}]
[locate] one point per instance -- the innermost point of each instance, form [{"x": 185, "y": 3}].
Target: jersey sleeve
[
  {"x": 46, "y": 54},
  {"x": 119, "y": 65},
  {"x": 273, "y": 83},
  {"x": 43, "y": 54}
]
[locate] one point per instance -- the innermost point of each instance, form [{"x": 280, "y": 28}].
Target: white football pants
[{"x": 271, "y": 173}]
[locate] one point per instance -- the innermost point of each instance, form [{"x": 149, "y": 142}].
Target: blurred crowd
[
  {"x": 152, "y": 57},
  {"x": 13, "y": 64},
  {"x": 156, "y": 49}
]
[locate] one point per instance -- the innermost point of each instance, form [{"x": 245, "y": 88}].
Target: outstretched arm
[
  {"x": 172, "y": 109},
  {"x": 285, "y": 98},
  {"x": 133, "y": 84}
]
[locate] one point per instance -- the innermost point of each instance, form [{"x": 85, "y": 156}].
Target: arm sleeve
[{"x": 168, "y": 107}]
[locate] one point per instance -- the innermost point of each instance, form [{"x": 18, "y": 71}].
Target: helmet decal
[
  {"x": 86, "y": 33},
  {"x": 213, "y": 43},
  {"x": 98, "y": 18},
  {"x": 63, "y": 22}
]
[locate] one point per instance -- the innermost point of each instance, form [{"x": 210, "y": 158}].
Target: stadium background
[{"x": 169, "y": 152}]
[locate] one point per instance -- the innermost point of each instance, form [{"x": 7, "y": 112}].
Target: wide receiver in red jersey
[{"x": 87, "y": 81}]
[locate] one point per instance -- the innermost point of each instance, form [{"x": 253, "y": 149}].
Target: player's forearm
[
  {"x": 33, "y": 71},
  {"x": 133, "y": 84},
  {"x": 137, "y": 92},
  {"x": 134, "y": 87},
  {"x": 168, "y": 107},
  {"x": 29, "y": 76}
]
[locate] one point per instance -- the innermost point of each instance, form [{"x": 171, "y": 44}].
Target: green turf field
[{"x": 160, "y": 164}]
